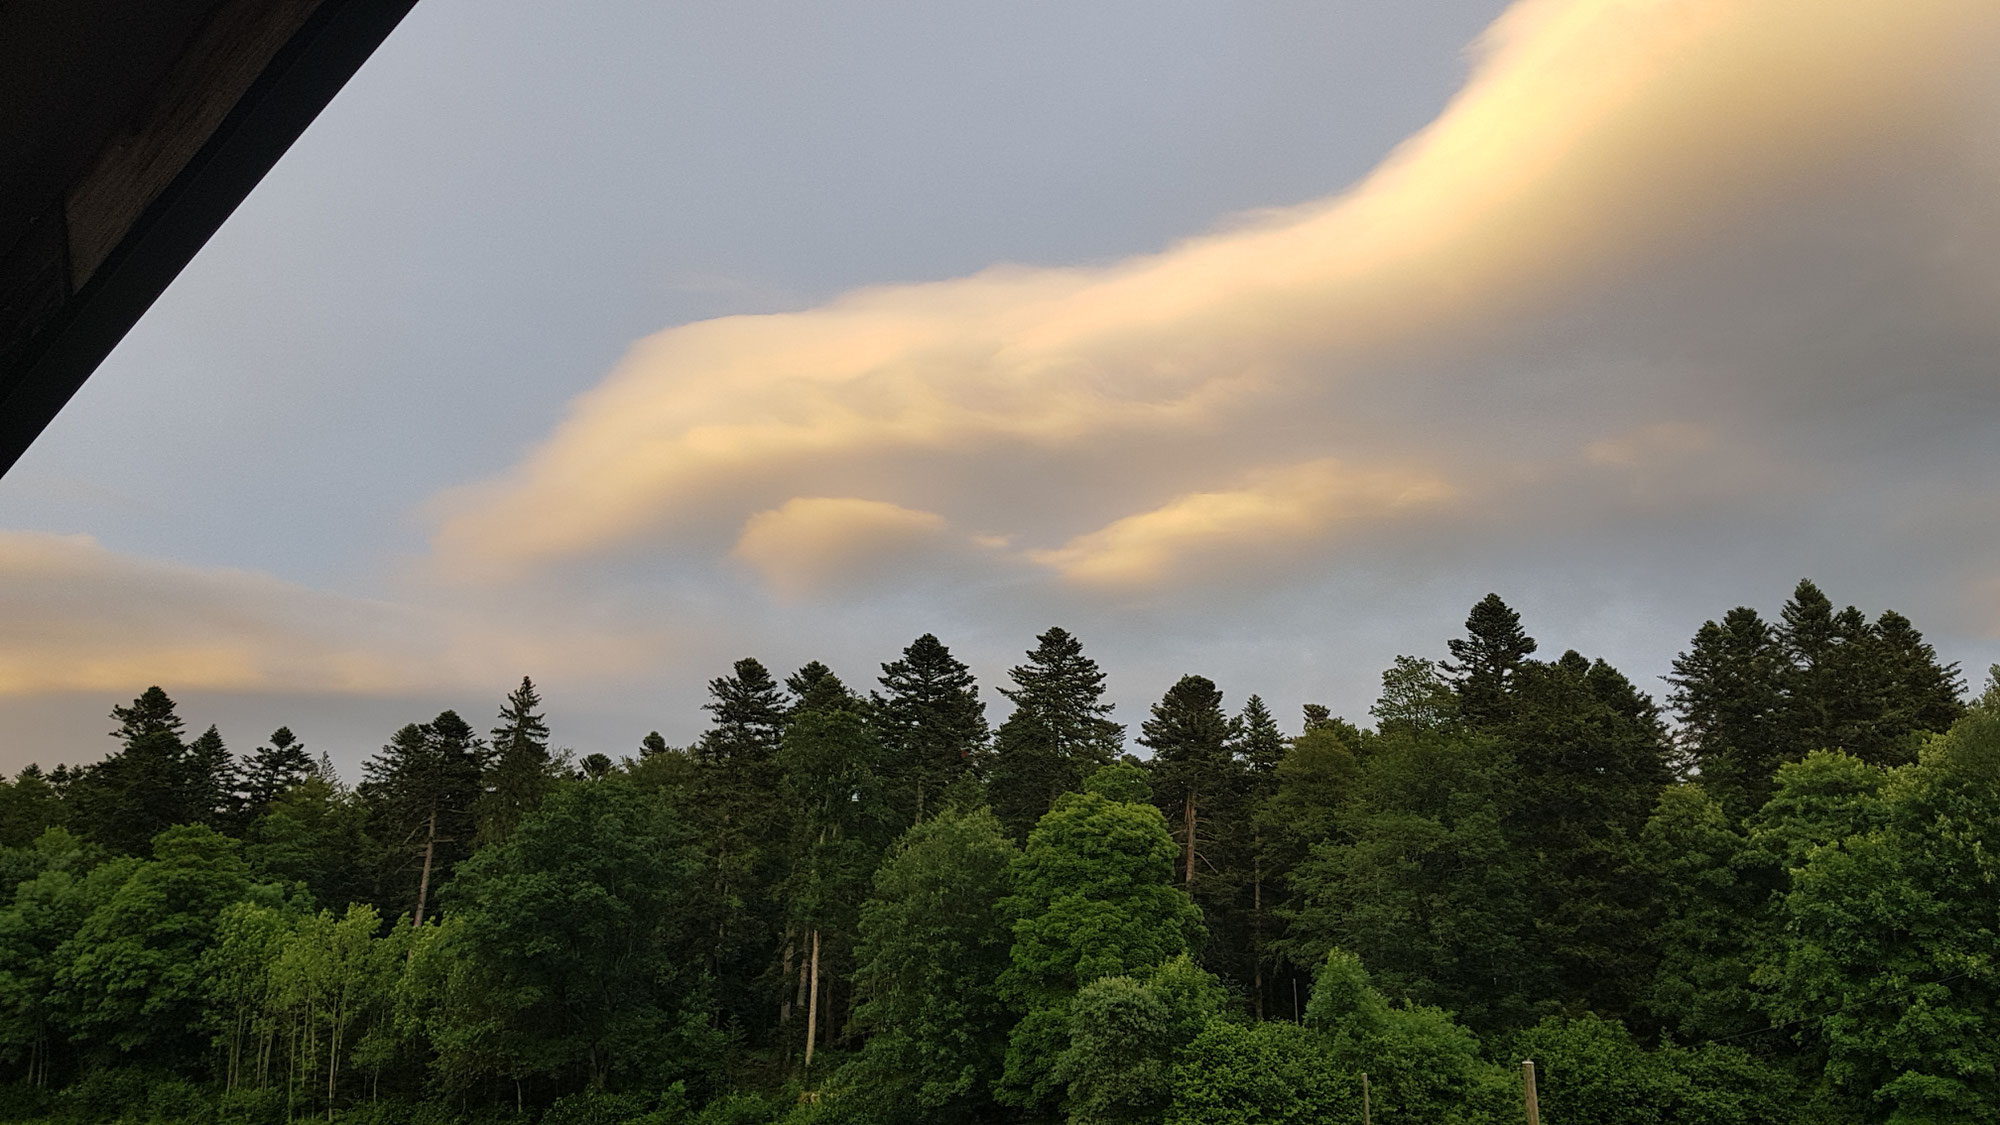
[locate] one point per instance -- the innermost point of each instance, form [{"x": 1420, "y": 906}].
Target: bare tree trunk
[
  {"x": 424, "y": 884},
  {"x": 1257, "y": 933},
  {"x": 1188, "y": 819},
  {"x": 812, "y": 1003}
]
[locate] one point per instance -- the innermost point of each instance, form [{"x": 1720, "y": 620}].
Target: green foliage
[
  {"x": 1710, "y": 903},
  {"x": 1492, "y": 650},
  {"x": 521, "y": 773},
  {"x": 1422, "y": 1066},
  {"x": 1093, "y": 897},
  {"x": 1260, "y": 1074},
  {"x": 1889, "y": 941},
  {"x": 570, "y": 952},
  {"x": 1124, "y": 1034},
  {"x": 1591, "y": 1069}
]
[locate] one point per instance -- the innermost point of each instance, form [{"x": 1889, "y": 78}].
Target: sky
[{"x": 1251, "y": 341}]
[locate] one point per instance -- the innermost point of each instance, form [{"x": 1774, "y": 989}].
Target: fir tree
[
  {"x": 211, "y": 783},
  {"x": 143, "y": 788},
  {"x": 1729, "y": 695},
  {"x": 933, "y": 726},
  {"x": 1486, "y": 659},
  {"x": 272, "y": 770},
  {"x": 1193, "y": 769},
  {"x": 1060, "y": 730},
  {"x": 521, "y": 773}
]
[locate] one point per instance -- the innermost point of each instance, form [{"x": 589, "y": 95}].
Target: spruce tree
[
  {"x": 1486, "y": 659},
  {"x": 211, "y": 782},
  {"x": 1060, "y": 730},
  {"x": 933, "y": 726},
  {"x": 744, "y": 837},
  {"x": 1729, "y": 694},
  {"x": 1260, "y": 747},
  {"x": 272, "y": 770},
  {"x": 142, "y": 789},
  {"x": 521, "y": 774}
]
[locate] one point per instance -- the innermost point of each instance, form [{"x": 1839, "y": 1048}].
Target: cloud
[
  {"x": 75, "y": 616},
  {"x": 815, "y": 543},
  {"x": 1279, "y": 514},
  {"x": 1592, "y": 137}
]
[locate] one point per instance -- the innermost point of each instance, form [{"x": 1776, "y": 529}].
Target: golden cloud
[
  {"x": 812, "y": 543},
  {"x": 1592, "y": 136},
  {"x": 1278, "y": 512}
]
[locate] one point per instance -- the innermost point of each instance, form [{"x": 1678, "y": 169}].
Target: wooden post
[
  {"x": 1528, "y": 1088},
  {"x": 1365, "y": 1117}
]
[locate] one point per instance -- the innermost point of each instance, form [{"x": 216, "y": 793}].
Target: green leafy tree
[
  {"x": 1093, "y": 897},
  {"x": 49, "y": 907},
  {"x": 1125, "y": 1033},
  {"x": 1591, "y": 1069},
  {"x": 1060, "y": 730},
  {"x": 1711, "y": 901},
  {"x": 1422, "y": 1066},
  {"x": 130, "y": 976},
  {"x": 932, "y": 945},
  {"x": 313, "y": 835},
  {"x": 572, "y": 948},
  {"x": 1423, "y": 881},
  {"x": 1274, "y": 1073},
  {"x": 933, "y": 726},
  {"x": 1889, "y": 937}
]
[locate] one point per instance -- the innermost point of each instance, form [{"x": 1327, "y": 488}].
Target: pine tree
[
  {"x": 933, "y": 726},
  {"x": 749, "y": 710},
  {"x": 1060, "y": 730},
  {"x": 272, "y": 770},
  {"x": 521, "y": 773},
  {"x": 1487, "y": 658}
]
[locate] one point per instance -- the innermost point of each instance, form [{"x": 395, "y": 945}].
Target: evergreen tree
[
  {"x": 28, "y": 806},
  {"x": 1589, "y": 759},
  {"x": 423, "y": 791},
  {"x": 521, "y": 774},
  {"x": 933, "y": 726},
  {"x": 1260, "y": 747},
  {"x": 745, "y": 840},
  {"x": 1922, "y": 695},
  {"x": 142, "y": 789},
  {"x": 211, "y": 780},
  {"x": 1060, "y": 730},
  {"x": 1729, "y": 696},
  {"x": 274, "y": 769},
  {"x": 1487, "y": 658},
  {"x": 841, "y": 824},
  {"x": 1193, "y": 769}
]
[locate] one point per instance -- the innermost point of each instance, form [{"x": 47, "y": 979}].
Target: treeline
[{"x": 868, "y": 905}]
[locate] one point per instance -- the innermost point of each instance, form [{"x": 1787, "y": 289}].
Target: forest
[{"x": 1768, "y": 897}]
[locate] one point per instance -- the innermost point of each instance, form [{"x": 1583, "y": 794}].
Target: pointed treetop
[
  {"x": 1484, "y": 661},
  {"x": 151, "y": 713}
]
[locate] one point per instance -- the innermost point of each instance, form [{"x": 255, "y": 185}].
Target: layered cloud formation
[{"x": 1119, "y": 424}]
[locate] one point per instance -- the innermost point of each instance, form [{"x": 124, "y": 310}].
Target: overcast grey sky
[{"x": 609, "y": 343}]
